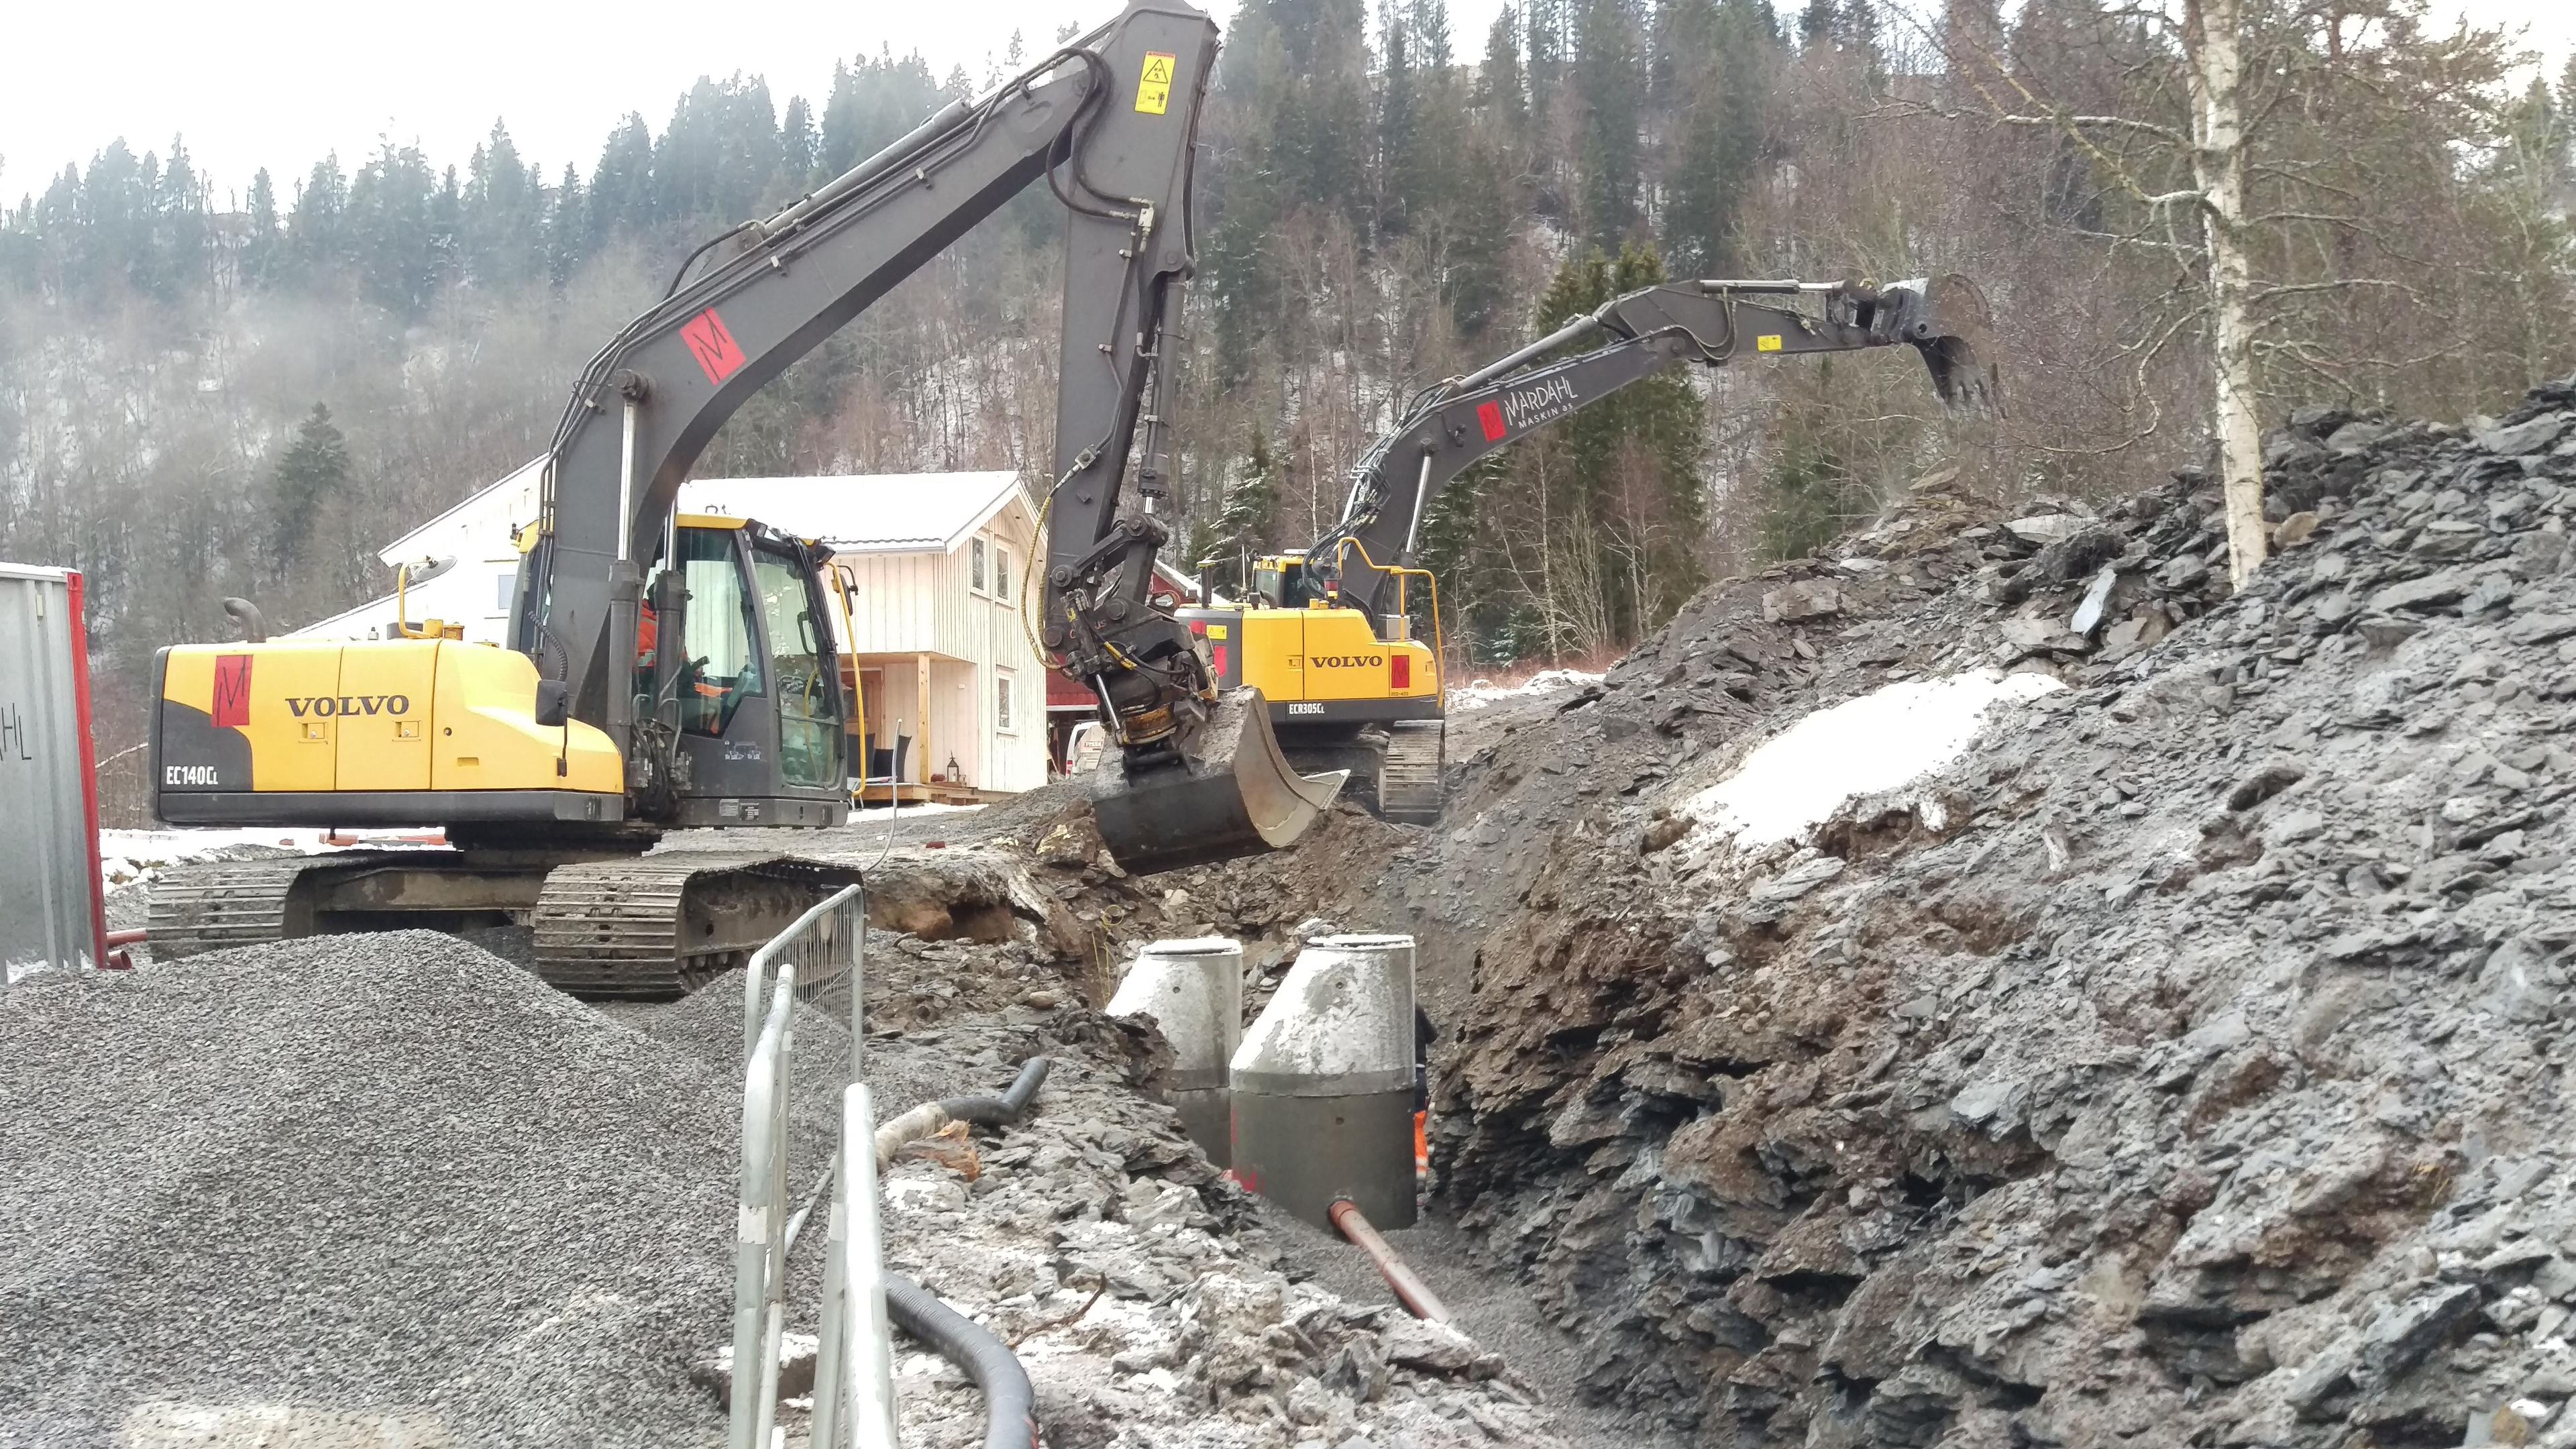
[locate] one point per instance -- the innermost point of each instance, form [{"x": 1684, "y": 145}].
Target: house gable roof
[{"x": 864, "y": 513}]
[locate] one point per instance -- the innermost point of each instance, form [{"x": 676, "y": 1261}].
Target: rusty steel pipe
[
  {"x": 1411, "y": 1291},
  {"x": 118, "y": 958}
]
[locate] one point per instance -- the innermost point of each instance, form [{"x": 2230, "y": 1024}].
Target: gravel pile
[{"x": 385, "y": 1174}]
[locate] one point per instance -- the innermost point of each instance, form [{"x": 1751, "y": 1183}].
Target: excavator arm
[
  {"x": 1456, "y": 423},
  {"x": 1110, "y": 121}
]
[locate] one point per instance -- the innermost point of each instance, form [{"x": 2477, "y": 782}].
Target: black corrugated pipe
[
  {"x": 1010, "y": 1404},
  {"x": 1005, "y": 1109}
]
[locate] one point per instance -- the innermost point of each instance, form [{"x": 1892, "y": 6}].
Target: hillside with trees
[{"x": 202, "y": 395}]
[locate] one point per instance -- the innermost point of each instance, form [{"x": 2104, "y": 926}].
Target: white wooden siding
[{"x": 925, "y": 603}]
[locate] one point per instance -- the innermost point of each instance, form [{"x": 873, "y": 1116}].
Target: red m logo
[
  {"x": 718, "y": 355},
  {"x": 1490, "y": 414},
  {"x": 231, "y": 705}
]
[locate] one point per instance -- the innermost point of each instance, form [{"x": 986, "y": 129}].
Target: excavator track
[
  {"x": 1408, "y": 783},
  {"x": 659, "y": 926},
  {"x": 221, "y": 904},
  {"x": 637, "y": 926}
]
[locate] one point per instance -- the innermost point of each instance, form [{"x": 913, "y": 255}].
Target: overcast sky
[{"x": 277, "y": 83}]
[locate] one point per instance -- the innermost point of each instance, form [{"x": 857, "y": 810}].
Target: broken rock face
[{"x": 2196, "y": 1078}]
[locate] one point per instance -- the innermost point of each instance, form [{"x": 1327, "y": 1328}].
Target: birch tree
[{"x": 2243, "y": 143}]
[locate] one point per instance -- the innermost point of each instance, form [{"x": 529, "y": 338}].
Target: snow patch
[
  {"x": 1547, "y": 681},
  {"x": 1879, "y": 741},
  {"x": 127, "y": 856}
]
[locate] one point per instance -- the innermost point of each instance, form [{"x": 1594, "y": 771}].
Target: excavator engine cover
[{"x": 1231, "y": 794}]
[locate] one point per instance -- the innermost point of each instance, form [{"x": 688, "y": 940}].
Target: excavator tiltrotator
[
  {"x": 672, "y": 671},
  {"x": 1326, "y": 639}
]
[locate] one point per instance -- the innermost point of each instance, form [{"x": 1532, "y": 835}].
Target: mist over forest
[{"x": 199, "y": 399}]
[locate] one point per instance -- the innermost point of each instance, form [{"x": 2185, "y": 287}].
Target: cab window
[
  {"x": 721, "y": 668},
  {"x": 809, "y": 719}
]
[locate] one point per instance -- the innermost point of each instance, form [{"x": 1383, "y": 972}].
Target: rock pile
[
  {"x": 374, "y": 1189},
  {"x": 2184, "y": 1064},
  {"x": 1146, "y": 1303}
]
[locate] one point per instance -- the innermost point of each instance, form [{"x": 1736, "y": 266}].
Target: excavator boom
[{"x": 1456, "y": 423}]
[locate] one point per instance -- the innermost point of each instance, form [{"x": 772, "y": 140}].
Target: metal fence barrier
[{"x": 854, "y": 1378}]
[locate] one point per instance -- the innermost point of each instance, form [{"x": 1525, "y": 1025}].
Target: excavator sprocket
[{"x": 1233, "y": 794}]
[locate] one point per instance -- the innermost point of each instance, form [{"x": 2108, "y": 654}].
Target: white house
[{"x": 937, "y": 563}]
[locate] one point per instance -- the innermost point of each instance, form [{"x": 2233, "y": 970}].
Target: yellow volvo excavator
[
  {"x": 675, "y": 672},
  {"x": 1327, "y": 638}
]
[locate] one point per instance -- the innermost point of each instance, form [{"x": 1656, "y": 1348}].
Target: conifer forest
[{"x": 209, "y": 392}]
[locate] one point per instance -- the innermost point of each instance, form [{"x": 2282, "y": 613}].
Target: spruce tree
[
  {"x": 621, "y": 185},
  {"x": 1503, "y": 105},
  {"x": 567, "y": 229},
  {"x": 1243, "y": 522},
  {"x": 317, "y": 232},
  {"x": 1606, "y": 67},
  {"x": 796, "y": 142},
  {"x": 261, "y": 243},
  {"x": 313, "y": 470},
  {"x": 1397, "y": 118}
]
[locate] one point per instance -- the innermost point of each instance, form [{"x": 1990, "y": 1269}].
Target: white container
[
  {"x": 1323, "y": 1084},
  {"x": 1193, "y": 989}
]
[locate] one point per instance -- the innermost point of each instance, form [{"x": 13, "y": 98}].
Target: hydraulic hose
[
  {"x": 1005, "y": 1109},
  {"x": 1010, "y": 1403}
]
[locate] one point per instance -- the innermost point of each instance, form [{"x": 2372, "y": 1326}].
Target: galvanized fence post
[{"x": 854, "y": 1367}]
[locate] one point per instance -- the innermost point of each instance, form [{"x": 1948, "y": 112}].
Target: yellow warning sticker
[
  {"x": 1216, "y": 631},
  {"x": 1154, "y": 88},
  {"x": 1767, "y": 342}
]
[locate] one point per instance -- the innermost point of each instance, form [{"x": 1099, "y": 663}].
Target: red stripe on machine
[
  {"x": 712, "y": 344},
  {"x": 230, "y": 708},
  {"x": 1399, "y": 670}
]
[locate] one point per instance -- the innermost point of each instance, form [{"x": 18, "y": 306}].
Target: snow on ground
[
  {"x": 878, "y": 812},
  {"x": 1879, "y": 741},
  {"x": 1481, "y": 692},
  {"x": 125, "y": 856}
]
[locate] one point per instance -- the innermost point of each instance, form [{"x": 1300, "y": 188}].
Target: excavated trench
[{"x": 2179, "y": 1063}]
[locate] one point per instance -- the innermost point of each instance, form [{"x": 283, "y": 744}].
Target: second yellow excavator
[{"x": 1327, "y": 637}]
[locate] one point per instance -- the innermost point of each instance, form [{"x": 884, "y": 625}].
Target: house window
[
  {"x": 506, "y": 592},
  {"x": 1002, "y": 696},
  {"x": 1001, "y": 572},
  {"x": 975, "y": 568}
]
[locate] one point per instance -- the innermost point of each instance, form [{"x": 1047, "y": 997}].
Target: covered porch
[{"x": 912, "y": 739}]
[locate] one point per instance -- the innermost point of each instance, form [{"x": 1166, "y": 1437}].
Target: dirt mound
[{"x": 2181, "y": 1063}]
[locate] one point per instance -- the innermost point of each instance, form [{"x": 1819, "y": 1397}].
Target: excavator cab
[
  {"x": 739, "y": 705},
  {"x": 1284, "y": 581}
]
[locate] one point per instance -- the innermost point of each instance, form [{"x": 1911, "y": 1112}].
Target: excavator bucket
[
  {"x": 1232, "y": 795},
  {"x": 1948, "y": 321}
]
